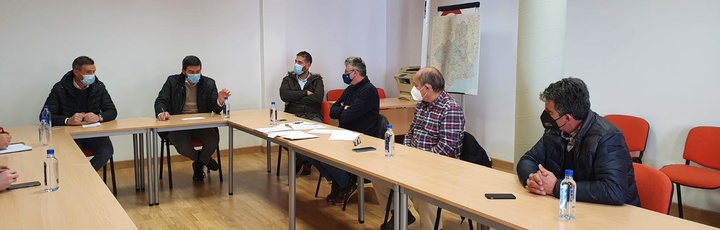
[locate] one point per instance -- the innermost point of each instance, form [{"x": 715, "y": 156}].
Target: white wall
[
  {"x": 654, "y": 59},
  {"x": 135, "y": 45}
]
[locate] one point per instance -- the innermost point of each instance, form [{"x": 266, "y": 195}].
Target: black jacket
[
  {"x": 63, "y": 103},
  {"x": 297, "y": 101},
  {"x": 171, "y": 98},
  {"x": 603, "y": 169},
  {"x": 364, "y": 111}
]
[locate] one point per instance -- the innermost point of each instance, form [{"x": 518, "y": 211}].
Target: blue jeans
[{"x": 339, "y": 177}]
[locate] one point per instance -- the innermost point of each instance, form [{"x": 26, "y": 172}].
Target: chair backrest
[
  {"x": 334, "y": 95},
  {"x": 703, "y": 146},
  {"x": 88, "y": 152},
  {"x": 634, "y": 129},
  {"x": 474, "y": 153},
  {"x": 382, "y": 127},
  {"x": 654, "y": 188},
  {"x": 381, "y": 93},
  {"x": 325, "y": 111}
]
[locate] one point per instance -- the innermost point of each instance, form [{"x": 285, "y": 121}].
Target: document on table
[
  {"x": 305, "y": 126},
  {"x": 292, "y": 135},
  {"x": 344, "y": 135},
  {"x": 96, "y": 124},
  {"x": 323, "y": 131},
  {"x": 17, "y": 147},
  {"x": 274, "y": 129},
  {"x": 192, "y": 118}
]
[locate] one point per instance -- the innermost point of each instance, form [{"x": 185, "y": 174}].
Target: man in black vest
[
  {"x": 81, "y": 98},
  {"x": 186, "y": 93},
  {"x": 579, "y": 139}
]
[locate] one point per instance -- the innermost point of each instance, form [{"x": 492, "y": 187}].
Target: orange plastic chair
[
  {"x": 325, "y": 111},
  {"x": 381, "y": 93},
  {"x": 654, "y": 188},
  {"x": 334, "y": 95},
  {"x": 635, "y": 130},
  {"x": 90, "y": 153},
  {"x": 702, "y": 147}
]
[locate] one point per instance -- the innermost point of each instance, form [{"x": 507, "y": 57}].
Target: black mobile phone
[
  {"x": 363, "y": 149},
  {"x": 24, "y": 185},
  {"x": 499, "y": 196}
]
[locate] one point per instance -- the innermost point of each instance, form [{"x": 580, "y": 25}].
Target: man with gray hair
[
  {"x": 579, "y": 139},
  {"x": 358, "y": 109},
  {"x": 437, "y": 127}
]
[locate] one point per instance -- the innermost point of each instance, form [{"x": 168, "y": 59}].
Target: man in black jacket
[
  {"x": 579, "y": 139},
  {"x": 302, "y": 93},
  {"x": 80, "y": 98},
  {"x": 186, "y": 93},
  {"x": 358, "y": 109}
]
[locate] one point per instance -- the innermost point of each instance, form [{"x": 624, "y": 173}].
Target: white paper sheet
[
  {"x": 323, "y": 131},
  {"x": 192, "y": 118},
  {"x": 292, "y": 135},
  {"x": 96, "y": 124},
  {"x": 274, "y": 129},
  {"x": 15, "y": 148},
  {"x": 306, "y": 126},
  {"x": 344, "y": 135}
]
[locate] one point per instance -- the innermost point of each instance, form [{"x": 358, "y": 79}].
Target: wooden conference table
[{"x": 83, "y": 201}]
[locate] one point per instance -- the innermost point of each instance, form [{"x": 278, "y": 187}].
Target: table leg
[
  {"x": 396, "y": 204},
  {"x": 267, "y": 150},
  {"x": 403, "y": 209},
  {"x": 150, "y": 192},
  {"x": 230, "y": 160},
  {"x": 291, "y": 179},
  {"x": 135, "y": 161},
  {"x": 361, "y": 199},
  {"x": 155, "y": 168}
]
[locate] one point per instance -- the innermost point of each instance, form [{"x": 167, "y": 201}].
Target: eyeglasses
[{"x": 348, "y": 72}]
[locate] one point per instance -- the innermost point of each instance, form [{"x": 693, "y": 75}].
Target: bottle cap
[
  {"x": 51, "y": 151},
  {"x": 273, "y": 102},
  {"x": 568, "y": 172},
  {"x": 226, "y": 98},
  {"x": 389, "y": 126},
  {"x": 45, "y": 107}
]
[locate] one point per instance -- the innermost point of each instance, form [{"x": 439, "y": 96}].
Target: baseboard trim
[{"x": 504, "y": 166}]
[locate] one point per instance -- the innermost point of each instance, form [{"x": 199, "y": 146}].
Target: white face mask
[{"x": 416, "y": 94}]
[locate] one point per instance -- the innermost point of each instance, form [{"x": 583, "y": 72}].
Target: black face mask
[{"x": 548, "y": 122}]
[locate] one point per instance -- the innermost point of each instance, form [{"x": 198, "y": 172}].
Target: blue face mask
[
  {"x": 346, "y": 78},
  {"x": 88, "y": 79},
  {"x": 298, "y": 69},
  {"x": 193, "y": 78}
]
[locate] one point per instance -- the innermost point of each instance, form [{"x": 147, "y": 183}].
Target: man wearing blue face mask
[
  {"x": 302, "y": 93},
  {"x": 81, "y": 98},
  {"x": 579, "y": 139},
  {"x": 187, "y": 93},
  {"x": 357, "y": 109}
]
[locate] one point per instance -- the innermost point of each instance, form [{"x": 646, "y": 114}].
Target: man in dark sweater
[
  {"x": 186, "y": 93},
  {"x": 302, "y": 93},
  {"x": 80, "y": 98},
  {"x": 358, "y": 109}
]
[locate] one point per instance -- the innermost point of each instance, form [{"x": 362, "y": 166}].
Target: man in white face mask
[{"x": 437, "y": 127}]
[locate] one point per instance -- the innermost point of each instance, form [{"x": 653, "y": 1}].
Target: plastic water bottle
[
  {"x": 273, "y": 114},
  {"x": 389, "y": 142},
  {"x": 568, "y": 190},
  {"x": 52, "y": 182},
  {"x": 44, "y": 129},
  {"x": 226, "y": 109}
]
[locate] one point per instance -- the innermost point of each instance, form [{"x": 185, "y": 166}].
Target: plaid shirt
[{"x": 438, "y": 127}]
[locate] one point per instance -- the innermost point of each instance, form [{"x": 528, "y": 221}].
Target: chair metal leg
[
  {"x": 105, "y": 174},
  {"x": 317, "y": 188},
  {"x": 679, "y": 198},
  {"x": 277, "y": 173},
  {"x": 437, "y": 219},
  {"x": 387, "y": 207},
  {"x": 162, "y": 156},
  {"x": 169, "y": 164},
  {"x": 112, "y": 172}
]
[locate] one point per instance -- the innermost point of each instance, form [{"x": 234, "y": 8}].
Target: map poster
[{"x": 455, "y": 51}]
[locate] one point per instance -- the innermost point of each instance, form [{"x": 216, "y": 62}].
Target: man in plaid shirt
[{"x": 437, "y": 127}]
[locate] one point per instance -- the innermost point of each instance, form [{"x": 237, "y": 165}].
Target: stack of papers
[
  {"x": 192, "y": 118},
  {"x": 96, "y": 124},
  {"x": 323, "y": 131},
  {"x": 19, "y": 147},
  {"x": 292, "y": 135},
  {"x": 305, "y": 126},
  {"x": 273, "y": 129}
]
